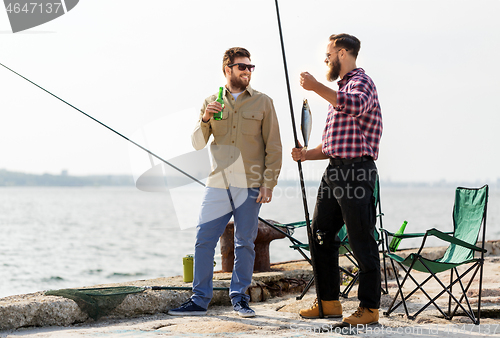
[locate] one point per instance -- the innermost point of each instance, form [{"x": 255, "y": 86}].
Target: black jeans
[{"x": 346, "y": 196}]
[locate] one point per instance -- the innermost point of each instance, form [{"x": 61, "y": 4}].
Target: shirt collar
[
  {"x": 249, "y": 89},
  {"x": 347, "y": 77}
]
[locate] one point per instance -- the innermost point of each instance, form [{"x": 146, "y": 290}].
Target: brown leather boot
[
  {"x": 331, "y": 309},
  {"x": 363, "y": 316}
]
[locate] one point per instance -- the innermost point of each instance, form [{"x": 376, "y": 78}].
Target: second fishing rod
[{"x": 302, "y": 185}]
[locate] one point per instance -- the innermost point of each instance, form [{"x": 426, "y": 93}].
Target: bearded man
[{"x": 351, "y": 144}]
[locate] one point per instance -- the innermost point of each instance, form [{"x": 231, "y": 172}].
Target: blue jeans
[{"x": 216, "y": 211}]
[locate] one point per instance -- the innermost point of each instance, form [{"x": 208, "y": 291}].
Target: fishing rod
[
  {"x": 102, "y": 124},
  {"x": 146, "y": 150},
  {"x": 302, "y": 185},
  {"x": 180, "y": 288}
]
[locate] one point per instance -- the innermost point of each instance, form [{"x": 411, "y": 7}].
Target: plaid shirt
[{"x": 354, "y": 127}]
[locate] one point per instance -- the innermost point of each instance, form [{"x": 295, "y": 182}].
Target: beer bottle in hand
[{"x": 218, "y": 116}]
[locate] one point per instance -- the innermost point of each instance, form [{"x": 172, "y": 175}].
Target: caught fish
[{"x": 306, "y": 122}]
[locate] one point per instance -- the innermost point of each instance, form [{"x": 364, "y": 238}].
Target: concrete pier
[
  {"x": 37, "y": 309},
  {"x": 272, "y": 296}
]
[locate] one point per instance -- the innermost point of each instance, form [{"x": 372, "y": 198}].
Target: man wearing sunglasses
[
  {"x": 246, "y": 154},
  {"x": 351, "y": 143}
]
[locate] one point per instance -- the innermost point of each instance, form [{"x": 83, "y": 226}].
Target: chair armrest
[
  {"x": 300, "y": 246},
  {"x": 295, "y": 225},
  {"x": 408, "y": 235},
  {"x": 451, "y": 239}
]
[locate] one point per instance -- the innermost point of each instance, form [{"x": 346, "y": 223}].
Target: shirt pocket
[
  {"x": 251, "y": 123},
  {"x": 220, "y": 127}
]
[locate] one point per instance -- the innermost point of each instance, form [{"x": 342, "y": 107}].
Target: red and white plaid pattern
[{"x": 354, "y": 127}]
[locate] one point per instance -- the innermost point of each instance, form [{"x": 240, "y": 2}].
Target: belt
[{"x": 345, "y": 161}]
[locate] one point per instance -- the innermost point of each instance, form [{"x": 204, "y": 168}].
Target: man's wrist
[
  {"x": 308, "y": 151},
  {"x": 268, "y": 183}
]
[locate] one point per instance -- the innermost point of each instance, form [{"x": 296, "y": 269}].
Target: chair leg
[
  {"x": 470, "y": 314},
  {"x": 353, "y": 261},
  {"x": 446, "y": 289},
  {"x": 480, "y": 284},
  {"x": 344, "y": 293},
  {"x": 349, "y": 255},
  {"x": 464, "y": 293},
  {"x": 386, "y": 290},
  {"x": 451, "y": 290},
  {"x": 353, "y": 281},
  {"x": 404, "y": 298},
  {"x": 304, "y": 255},
  {"x": 432, "y": 300},
  {"x": 308, "y": 286},
  {"x": 418, "y": 287},
  {"x": 399, "y": 292}
]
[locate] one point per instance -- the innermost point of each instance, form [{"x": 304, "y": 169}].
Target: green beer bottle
[
  {"x": 218, "y": 116},
  {"x": 395, "y": 240}
]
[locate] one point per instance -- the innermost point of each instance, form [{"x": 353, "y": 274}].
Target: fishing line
[
  {"x": 126, "y": 138},
  {"x": 302, "y": 185},
  {"x": 146, "y": 150}
]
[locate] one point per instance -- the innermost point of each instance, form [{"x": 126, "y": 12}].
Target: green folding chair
[
  {"x": 469, "y": 213},
  {"x": 344, "y": 249}
]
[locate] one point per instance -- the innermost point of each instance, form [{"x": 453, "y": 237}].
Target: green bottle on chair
[{"x": 395, "y": 240}]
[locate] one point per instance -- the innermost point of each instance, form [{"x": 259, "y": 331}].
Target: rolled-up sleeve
[
  {"x": 201, "y": 132},
  {"x": 357, "y": 101}
]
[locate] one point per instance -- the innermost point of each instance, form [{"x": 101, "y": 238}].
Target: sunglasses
[{"x": 243, "y": 66}]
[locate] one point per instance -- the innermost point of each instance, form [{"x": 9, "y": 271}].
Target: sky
[{"x": 144, "y": 68}]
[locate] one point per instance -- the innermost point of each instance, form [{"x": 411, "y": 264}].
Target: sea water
[{"x": 61, "y": 237}]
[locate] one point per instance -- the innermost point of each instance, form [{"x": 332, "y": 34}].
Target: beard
[
  {"x": 334, "y": 71},
  {"x": 238, "y": 83}
]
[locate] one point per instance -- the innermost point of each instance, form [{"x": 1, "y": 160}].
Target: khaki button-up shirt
[{"x": 246, "y": 142}]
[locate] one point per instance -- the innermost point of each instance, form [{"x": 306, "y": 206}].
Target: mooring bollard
[{"x": 265, "y": 235}]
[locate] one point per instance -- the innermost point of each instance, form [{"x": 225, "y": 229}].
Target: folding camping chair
[
  {"x": 344, "y": 249},
  {"x": 469, "y": 213}
]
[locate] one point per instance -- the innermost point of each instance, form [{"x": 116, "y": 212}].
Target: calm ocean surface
[{"x": 52, "y": 238}]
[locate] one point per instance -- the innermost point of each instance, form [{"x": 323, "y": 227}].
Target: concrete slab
[{"x": 273, "y": 298}]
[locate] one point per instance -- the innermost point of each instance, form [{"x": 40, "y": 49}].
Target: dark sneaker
[
  {"x": 189, "y": 308},
  {"x": 243, "y": 309}
]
